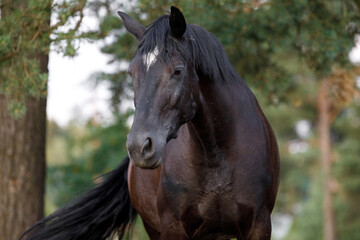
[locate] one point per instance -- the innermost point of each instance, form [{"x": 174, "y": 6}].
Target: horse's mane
[{"x": 197, "y": 45}]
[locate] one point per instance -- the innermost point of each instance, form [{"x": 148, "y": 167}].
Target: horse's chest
[
  {"x": 213, "y": 191},
  {"x": 208, "y": 203}
]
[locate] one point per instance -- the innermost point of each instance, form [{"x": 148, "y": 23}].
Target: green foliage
[
  {"x": 296, "y": 167},
  {"x": 70, "y": 50},
  {"x": 16, "y": 109},
  {"x": 109, "y": 23},
  {"x": 346, "y": 185},
  {"x": 91, "y": 150},
  {"x": 25, "y": 39},
  {"x": 310, "y": 215},
  {"x": 347, "y": 172},
  {"x": 118, "y": 83},
  {"x": 5, "y": 44},
  {"x": 80, "y": 153}
]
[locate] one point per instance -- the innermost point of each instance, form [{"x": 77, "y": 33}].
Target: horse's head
[{"x": 164, "y": 83}]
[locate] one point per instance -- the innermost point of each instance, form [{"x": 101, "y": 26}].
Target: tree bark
[
  {"x": 22, "y": 155},
  {"x": 325, "y": 150},
  {"x": 22, "y": 168}
]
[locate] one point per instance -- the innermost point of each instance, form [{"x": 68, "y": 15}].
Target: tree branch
[{"x": 7, "y": 56}]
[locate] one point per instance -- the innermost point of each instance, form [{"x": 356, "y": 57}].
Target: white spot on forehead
[{"x": 150, "y": 58}]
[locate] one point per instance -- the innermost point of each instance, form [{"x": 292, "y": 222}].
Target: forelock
[{"x": 197, "y": 46}]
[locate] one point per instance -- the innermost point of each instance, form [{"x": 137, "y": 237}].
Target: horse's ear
[
  {"x": 177, "y": 22},
  {"x": 132, "y": 26}
]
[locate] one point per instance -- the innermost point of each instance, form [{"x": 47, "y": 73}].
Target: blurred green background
[{"x": 288, "y": 51}]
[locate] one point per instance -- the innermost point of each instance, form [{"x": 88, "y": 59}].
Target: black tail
[{"x": 98, "y": 214}]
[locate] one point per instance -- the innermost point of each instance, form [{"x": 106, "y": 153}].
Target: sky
[
  {"x": 72, "y": 96},
  {"x": 71, "y": 93},
  {"x": 355, "y": 53}
]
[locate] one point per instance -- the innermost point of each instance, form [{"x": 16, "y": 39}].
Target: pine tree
[{"x": 25, "y": 40}]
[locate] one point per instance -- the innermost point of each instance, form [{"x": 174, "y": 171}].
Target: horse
[{"x": 203, "y": 161}]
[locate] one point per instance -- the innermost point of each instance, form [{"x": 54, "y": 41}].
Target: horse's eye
[{"x": 178, "y": 71}]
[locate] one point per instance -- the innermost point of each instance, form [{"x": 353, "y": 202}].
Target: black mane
[{"x": 197, "y": 45}]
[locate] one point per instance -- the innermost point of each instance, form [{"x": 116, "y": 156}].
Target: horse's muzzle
[{"x": 142, "y": 151}]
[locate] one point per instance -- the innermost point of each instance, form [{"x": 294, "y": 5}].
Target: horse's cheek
[{"x": 174, "y": 97}]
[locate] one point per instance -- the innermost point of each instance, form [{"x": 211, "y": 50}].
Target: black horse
[{"x": 204, "y": 161}]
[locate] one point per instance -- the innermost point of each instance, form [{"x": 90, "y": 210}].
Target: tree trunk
[
  {"x": 22, "y": 168},
  {"x": 22, "y": 154},
  {"x": 325, "y": 149}
]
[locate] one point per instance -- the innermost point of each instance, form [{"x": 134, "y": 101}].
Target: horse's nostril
[{"x": 147, "y": 149}]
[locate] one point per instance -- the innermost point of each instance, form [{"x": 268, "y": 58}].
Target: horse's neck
[{"x": 214, "y": 127}]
